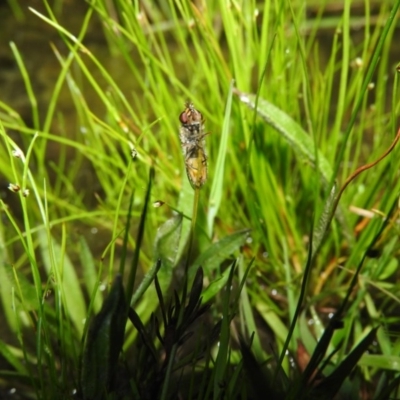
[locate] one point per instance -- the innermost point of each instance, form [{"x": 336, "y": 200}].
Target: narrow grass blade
[
  {"x": 272, "y": 319},
  {"x": 223, "y": 349},
  {"x": 139, "y": 239},
  {"x": 24, "y": 290},
  {"x": 127, "y": 229},
  {"x": 103, "y": 345},
  {"x": 28, "y": 85},
  {"x": 144, "y": 285},
  {"x": 8, "y": 355},
  {"x": 89, "y": 273},
  {"x": 324, "y": 221},
  {"x": 195, "y": 293},
  {"x": 259, "y": 379},
  {"x": 371, "y": 245},
  {"x": 303, "y": 291},
  {"x": 248, "y": 324},
  {"x": 294, "y": 134},
  {"x": 368, "y": 78},
  {"x": 58, "y": 263},
  {"x": 215, "y": 286},
  {"x": 386, "y": 392},
  {"x": 147, "y": 339},
  {"x": 329, "y": 386},
  {"x": 185, "y": 206},
  {"x": 218, "y": 181},
  {"x": 300, "y": 386}
]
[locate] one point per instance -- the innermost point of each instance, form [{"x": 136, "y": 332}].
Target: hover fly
[{"x": 191, "y": 135}]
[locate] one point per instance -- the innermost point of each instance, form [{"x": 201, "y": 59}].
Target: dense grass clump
[{"x": 205, "y": 204}]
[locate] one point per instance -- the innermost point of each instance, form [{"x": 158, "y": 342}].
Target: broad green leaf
[
  {"x": 212, "y": 258},
  {"x": 294, "y": 134},
  {"x": 167, "y": 248},
  {"x": 167, "y": 242}
]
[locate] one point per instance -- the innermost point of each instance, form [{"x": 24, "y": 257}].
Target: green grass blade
[
  {"x": 215, "y": 286},
  {"x": 221, "y": 361},
  {"x": 11, "y": 356},
  {"x": 368, "y": 78},
  {"x": 58, "y": 264},
  {"x": 90, "y": 274},
  {"x": 144, "y": 285},
  {"x": 332, "y": 383},
  {"x": 139, "y": 240},
  {"x": 218, "y": 181},
  {"x": 303, "y": 291},
  {"x": 28, "y": 85},
  {"x": 103, "y": 345},
  {"x": 293, "y": 133},
  {"x": 260, "y": 380},
  {"x": 218, "y": 252}
]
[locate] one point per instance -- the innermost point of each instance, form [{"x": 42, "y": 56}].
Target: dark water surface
[{"x": 33, "y": 38}]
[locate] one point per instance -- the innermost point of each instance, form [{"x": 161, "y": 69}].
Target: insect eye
[{"x": 183, "y": 117}]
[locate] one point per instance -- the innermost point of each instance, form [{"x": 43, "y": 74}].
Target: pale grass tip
[
  {"x": 158, "y": 203},
  {"x": 17, "y": 153},
  {"x": 14, "y": 187}
]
